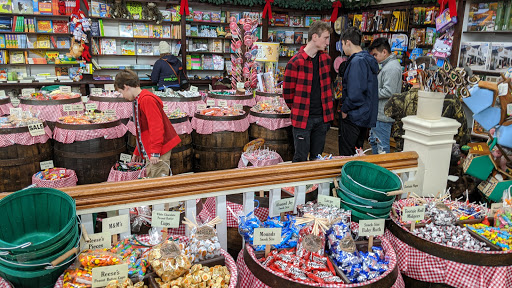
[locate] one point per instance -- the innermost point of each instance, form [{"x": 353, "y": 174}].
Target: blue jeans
[{"x": 379, "y": 137}]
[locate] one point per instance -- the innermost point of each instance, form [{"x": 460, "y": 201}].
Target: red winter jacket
[{"x": 157, "y": 133}]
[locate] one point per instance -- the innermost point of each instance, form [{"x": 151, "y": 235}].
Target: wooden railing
[{"x": 117, "y": 197}]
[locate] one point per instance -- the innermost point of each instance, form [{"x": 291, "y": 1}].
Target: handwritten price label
[
  {"x": 67, "y": 107},
  {"x": 46, "y": 164},
  {"x": 91, "y": 106},
  {"x": 65, "y": 89},
  {"x": 15, "y": 102},
  {"x": 96, "y": 91},
  {"x": 27, "y": 91},
  {"x": 201, "y": 106},
  {"x": 223, "y": 103},
  {"x": 125, "y": 157},
  {"x": 78, "y": 107}
]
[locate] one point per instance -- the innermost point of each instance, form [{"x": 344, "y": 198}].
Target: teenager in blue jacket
[
  {"x": 168, "y": 70},
  {"x": 360, "y": 94}
]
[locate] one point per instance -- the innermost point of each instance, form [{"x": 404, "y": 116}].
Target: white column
[{"x": 432, "y": 140}]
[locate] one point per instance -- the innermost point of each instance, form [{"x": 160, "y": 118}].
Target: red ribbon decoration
[
  {"x": 268, "y": 9},
  {"x": 451, "y": 4},
  {"x": 336, "y": 5},
  {"x": 184, "y": 8}
]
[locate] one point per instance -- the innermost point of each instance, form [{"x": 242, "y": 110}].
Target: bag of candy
[
  {"x": 204, "y": 243},
  {"x": 169, "y": 260},
  {"x": 312, "y": 236},
  {"x": 98, "y": 258},
  {"x": 127, "y": 283},
  {"x": 77, "y": 277},
  {"x": 137, "y": 266}
]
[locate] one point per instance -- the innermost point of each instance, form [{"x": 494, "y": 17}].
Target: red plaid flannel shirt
[{"x": 297, "y": 87}]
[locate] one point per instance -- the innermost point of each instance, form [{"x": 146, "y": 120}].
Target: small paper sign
[
  {"x": 65, "y": 89},
  {"x": 15, "y": 102},
  {"x": 502, "y": 89},
  {"x": 495, "y": 207},
  {"x": 91, "y": 106},
  {"x": 328, "y": 201},
  {"x": 238, "y": 106},
  {"x": 509, "y": 109},
  {"x": 371, "y": 227},
  {"x": 96, "y": 91},
  {"x": 36, "y": 129},
  {"x": 165, "y": 219},
  {"x": 284, "y": 205},
  {"x": 166, "y": 106},
  {"x": 194, "y": 89},
  {"x": 312, "y": 243},
  {"x": 240, "y": 85},
  {"x": 102, "y": 275},
  {"x": 15, "y": 111},
  {"x": 27, "y": 91},
  {"x": 267, "y": 236},
  {"x": 46, "y": 164},
  {"x": 67, "y": 107},
  {"x": 210, "y": 88},
  {"x": 116, "y": 225},
  {"x": 2, "y": 93},
  {"x": 170, "y": 250},
  {"x": 97, "y": 241},
  {"x": 125, "y": 157},
  {"x": 347, "y": 244},
  {"x": 223, "y": 103},
  {"x": 85, "y": 99},
  {"x": 413, "y": 213},
  {"x": 201, "y": 106},
  {"x": 78, "y": 107},
  {"x": 205, "y": 232},
  {"x": 110, "y": 112},
  {"x": 411, "y": 186},
  {"x": 210, "y": 102},
  {"x": 110, "y": 87}
]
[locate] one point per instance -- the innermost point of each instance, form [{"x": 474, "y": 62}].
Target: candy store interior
[{"x": 79, "y": 209}]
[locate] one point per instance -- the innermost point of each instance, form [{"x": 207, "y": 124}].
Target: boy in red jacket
[{"x": 155, "y": 134}]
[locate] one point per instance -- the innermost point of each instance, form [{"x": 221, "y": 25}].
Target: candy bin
[{"x": 55, "y": 178}]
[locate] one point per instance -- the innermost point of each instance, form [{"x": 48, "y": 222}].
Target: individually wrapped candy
[
  {"x": 200, "y": 276},
  {"x": 450, "y": 236},
  {"x": 169, "y": 260},
  {"x": 204, "y": 243},
  {"x": 320, "y": 211},
  {"x": 440, "y": 214},
  {"x": 77, "y": 277},
  {"x": 140, "y": 216},
  {"x": 98, "y": 258},
  {"x": 127, "y": 283}
]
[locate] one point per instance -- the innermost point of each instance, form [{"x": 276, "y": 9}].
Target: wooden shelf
[
  {"x": 202, "y": 81},
  {"x": 390, "y": 32},
  {"x": 422, "y": 25},
  {"x": 287, "y": 43},
  {"x": 108, "y": 69},
  {"x": 206, "y": 23},
  {"x": 207, "y": 52},
  {"x": 200, "y": 37},
  {"x": 134, "y": 20},
  {"x": 117, "y": 55},
  {"x": 39, "y": 84},
  {"x": 36, "y": 33},
  {"x": 490, "y": 32},
  {"x": 206, "y": 70},
  {"x": 134, "y": 38},
  {"x": 35, "y": 15},
  {"x": 41, "y": 64},
  {"x": 487, "y": 72},
  {"x": 31, "y": 49}
]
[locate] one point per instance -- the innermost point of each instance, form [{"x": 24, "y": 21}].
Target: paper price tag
[
  {"x": 412, "y": 186},
  {"x": 36, "y": 129},
  {"x": 267, "y": 236},
  {"x": 96, "y": 91},
  {"x": 46, "y": 164},
  {"x": 413, "y": 213},
  {"x": 166, "y": 106},
  {"x": 509, "y": 109},
  {"x": 15, "y": 102},
  {"x": 210, "y": 102},
  {"x": 284, "y": 205},
  {"x": 125, "y": 157},
  {"x": 2, "y": 93},
  {"x": 67, "y": 107},
  {"x": 328, "y": 201},
  {"x": 238, "y": 106},
  {"x": 240, "y": 85},
  {"x": 371, "y": 227},
  {"x": 312, "y": 243},
  {"x": 412, "y": 73},
  {"x": 494, "y": 207},
  {"x": 116, "y": 225},
  {"x": 205, "y": 232},
  {"x": 65, "y": 89},
  {"x": 27, "y": 91},
  {"x": 223, "y": 103},
  {"x": 110, "y": 112},
  {"x": 85, "y": 99},
  {"x": 110, "y": 87},
  {"x": 15, "y": 111},
  {"x": 102, "y": 275},
  {"x": 165, "y": 219},
  {"x": 201, "y": 106},
  {"x": 91, "y": 106},
  {"x": 98, "y": 241},
  {"x": 194, "y": 89},
  {"x": 78, "y": 107},
  {"x": 210, "y": 88},
  {"x": 502, "y": 89}
]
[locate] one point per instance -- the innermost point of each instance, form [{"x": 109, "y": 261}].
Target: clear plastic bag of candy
[
  {"x": 169, "y": 260},
  {"x": 126, "y": 283},
  {"x": 204, "y": 243},
  {"x": 99, "y": 258},
  {"x": 77, "y": 277},
  {"x": 140, "y": 216}
]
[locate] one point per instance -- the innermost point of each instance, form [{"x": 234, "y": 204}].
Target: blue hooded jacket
[
  {"x": 360, "y": 95},
  {"x": 164, "y": 75}
]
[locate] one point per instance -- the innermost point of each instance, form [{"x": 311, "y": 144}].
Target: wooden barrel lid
[
  {"x": 178, "y": 120},
  {"x": 88, "y": 126},
  {"x": 220, "y": 118},
  {"x": 448, "y": 253},
  {"x": 5, "y": 101},
  {"x": 50, "y": 102},
  {"x": 108, "y": 99},
  {"x": 268, "y": 115},
  {"x": 268, "y": 94},
  {"x": 17, "y": 129},
  {"x": 181, "y": 99},
  {"x": 229, "y": 97}
]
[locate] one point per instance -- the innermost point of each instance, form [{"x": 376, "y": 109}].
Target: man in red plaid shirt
[{"x": 307, "y": 91}]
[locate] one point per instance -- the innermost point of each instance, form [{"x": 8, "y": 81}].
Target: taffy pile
[
  {"x": 274, "y": 107},
  {"x": 12, "y": 121},
  {"x": 171, "y": 93},
  {"x": 176, "y": 114},
  {"x": 54, "y": 95},
  {"x": 109, "y": 94},
  {"x": 87, "y": 118},
  {"x": 224, "y": 111}
]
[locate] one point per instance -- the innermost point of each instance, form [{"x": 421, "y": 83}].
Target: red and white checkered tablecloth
[
  {"x": 270, "y": 123},
  {"x": 49, "y": 112},
  {"x": 24, "y": 138},
  {"x": 131, "y": 127},
  {"x": 245, "y": 102},
  {"x": 425, "y": 267},
  {"x": 123, "y": 109},
  {"x": 70, "y": 136},
  {"x": 247, "y": 279},
  {"x": 118, "y": 176},
  {"x": 5, "y": 110},
  {"x": 69, "y": 181},
  {"x": 5, "y": 284},
  {"x": 208, "y": 127},
  {"x": 263, "y": 99},
  {"x": 188, "y": 107},
  {"x": 209, "y": 212},
  {"x": 258, "y": 163}
]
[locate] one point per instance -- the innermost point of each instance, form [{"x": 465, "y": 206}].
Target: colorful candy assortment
[
  {"x": 225, "y": 111},
  {"x": 54, "y": 95},
  {"x": 271, "y": 108},
  {"x": 87, "y": 118},
  {"x": 12, "y": 121},
  {"x": 176, "y": 114},
  {"x": 289, "y": 230},
  {"x": 128, "y": 167},
  {"x": 77, "y": 277},
  {"x": 52, "y": 174},
  {"x": 200, "y": 276},
  {"x": 98, "y": 258}
]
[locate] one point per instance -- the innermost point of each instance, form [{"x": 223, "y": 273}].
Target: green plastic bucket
[
  {"x": 369, "y": 180},
  {"x": 34, "y": 219},
  {"x": 42, "y": 278},
  {"x": 363, "y": 208},
  {"x": 356, "y": 216},
  {"x": 353, "y": 198}
]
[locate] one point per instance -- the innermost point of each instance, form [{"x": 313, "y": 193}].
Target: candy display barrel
[
  {"x": 121, "y": 106},
  {"x": 231, "y": 99},
  {"x": 280, "y": 140},
  {"x": 182, "y": 159},
  {"x": 91, "y": 159},
  {"x": 218, "y": 150},
  {"x": 267, "y": 96},
  {"x": 19, "y": 162},
  {"x": 185, "y": 104},
  {"x": 5, "y": 104},
  {"x": 50, "y": 110}
]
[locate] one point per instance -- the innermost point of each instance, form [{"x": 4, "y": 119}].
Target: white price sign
[
  {"x": 125, "y": 157},
  {"x": 329, "y": 201},
  {"x": 110, "y": 87},
  {"x": 238, "y": 106},
  {"x": 101, "y": 276},
  {"x": 223, "y": 103},
  {"x": 210, "y": 102},
  {"x": 166, "y": 107},
  {"x": 2, "y": 93},
  {"x": 165, "y": 219},
  {"x": 65, "y": 89},
  {"x": 97, "y": 241},
  {"x": 36, "y": 129},
  {"x": 201, "y": 106},
  {"x": 267, "y": 236},
  {"x": 412, "y": 186},
  {"x": 240, "y": 85},
  {"x": 371, "y": 227},
  {"x": 46, "y": 164},
  {"x": 27, "y": 91},
  {"x": 110, "y": 112},
  {"x": 116, "y": 225},
  {"x": 96, "y": 91},
  {"x": 194, "y": 89},
  {"x": 91, "y": 106},
  {"x": 15, "y": 111},
  {"x": 15, "y": 102},
  {"x": 85, "y": 99},
  {"x": 67, "y": 107},
  {"x": 284, "y": 205},
  {"x": 413, "y": 213},
  {"x": 78, "y": 107}
]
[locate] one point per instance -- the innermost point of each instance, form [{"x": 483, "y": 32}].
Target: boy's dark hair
[
  {"x": 318, "y": 27},
  {"x": 126, "y": 78},
  {"x": 380, "y": 44},
  {"x": 353, "y": 34}
]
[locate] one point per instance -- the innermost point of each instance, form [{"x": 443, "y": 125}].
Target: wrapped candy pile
[
  {"x": 87, "y": 118},
  {"x": 171, "y": 93},
  {"x": 450, "y": 235},
  {"x": 169, "y": 260},
  {"x": 261, "y": 154},
  {"x": 12, "y": 121},
  {"x": 128, "y": 167},
  {"x": 271, "y": 108},
  {"x": 52, "y": 174},
  {"x": 54, "y": 95},
  {"x": 127, "y": 283},
  {"x": 225, "y": 111},
  {"x": 200, "y": 276},
  {"x": 289, "y": 230},
  {"x": 329, "y": 213},
  {"x": 204, "y": 243},
  {"x": 176, "y": 114},
  {"x": 110, "y": 94},
  {"x": 137, "y": 265},
  {"x": 499, "y": 236}
]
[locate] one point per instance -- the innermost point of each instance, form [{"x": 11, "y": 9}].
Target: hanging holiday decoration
[
  {"x": 267, "y": 11},
  {"x": 184, "y": 11},
  {"x": 335, "y": 5},
  {"x": 452, "y": 5},
  {"x": 243, "y": 68}
]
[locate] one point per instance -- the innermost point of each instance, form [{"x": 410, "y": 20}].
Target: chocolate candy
[
  {"x": 450, "y": 236},
  {"x": 168, "y": 260},
  {"x": 200, "y": 276}
]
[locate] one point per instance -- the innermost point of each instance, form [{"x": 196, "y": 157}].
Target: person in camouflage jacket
[{"x": 405, "y": 104}]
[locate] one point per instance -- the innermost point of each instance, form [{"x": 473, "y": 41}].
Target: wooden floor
[{"x": 331, "y": 143}]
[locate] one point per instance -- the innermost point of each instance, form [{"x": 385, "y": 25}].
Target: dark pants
[
  {"x": 350, "y": 137},
  {"x": 310, "y": 140}
]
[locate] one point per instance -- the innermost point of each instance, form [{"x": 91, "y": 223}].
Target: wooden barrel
[
  {"x": 19, "y": 162},
  {"x": 268, "y": 94},
  {"x": 182, "y": 157},
  {"x": 219, "y": 150},
  {"x": 181, "y": 99},
  {"x": 47, "y": 103},
  {"x": 118, "y": 100},
  {"x": 279, "y": 140},
  {"x": 91, "y": 159}
]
